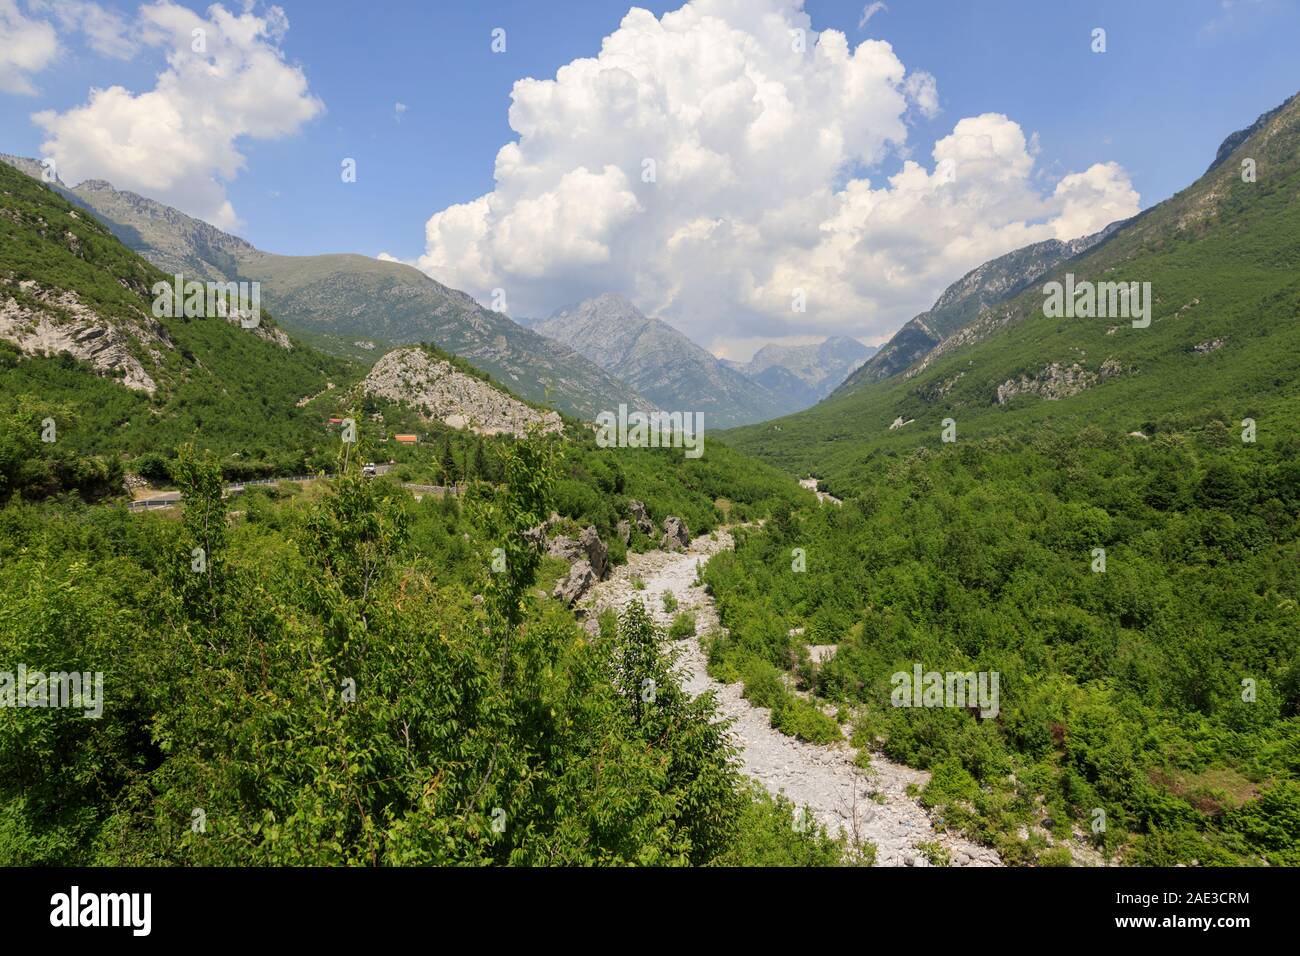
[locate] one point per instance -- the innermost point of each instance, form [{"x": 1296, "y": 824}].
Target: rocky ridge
[{"x": 441, "y": 392}]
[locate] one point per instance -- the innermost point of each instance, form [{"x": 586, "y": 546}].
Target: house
[{"x": 406, "y": 439}]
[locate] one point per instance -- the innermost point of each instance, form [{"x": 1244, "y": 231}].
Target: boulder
[
  {"x": 641, "y": 517},
  {"x": 676, "y": 534},
  {"x": 624, "y": 530},
  {"x": 580, "y": 579},
  {"x": 564, "y": 547},
  {"x": 538, "y": 535},
  {"x": 596, "y": 551}
]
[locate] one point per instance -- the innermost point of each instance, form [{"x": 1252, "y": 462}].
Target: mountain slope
[
  {"x": 78, "y": 338},
  {"x": 994, "y": 281},
  {"x": 1223, "y": 260},
  {"x": 660, "y": 362},
  {"x": 337, "y": 299}
]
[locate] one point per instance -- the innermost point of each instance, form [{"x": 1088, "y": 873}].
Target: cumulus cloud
[
  {"x": 27, "y": 46},
  {"x": 226, "y": 79},
  {"x": 711, "y": 167}
]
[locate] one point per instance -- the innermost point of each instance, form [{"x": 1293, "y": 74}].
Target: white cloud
[
  {"x": 106, "y": 32},
  {"x": 869, "y": 11},
  {"x": 923, "y": 90},
  {"x": 27, "y": 46},
  {"x": 178, "y": 142},
  {"x": 757, "y": 192}
]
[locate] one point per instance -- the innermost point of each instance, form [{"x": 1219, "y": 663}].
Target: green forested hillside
[
  {"x": 1126, "y": 557},
  {"x": 1223, "y": 260},
  {"x": 335, "y": 674},
  {"x": 236, "y": 389}
]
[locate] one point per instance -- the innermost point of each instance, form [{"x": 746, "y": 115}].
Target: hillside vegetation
[{"x": 1114, "y": 529}]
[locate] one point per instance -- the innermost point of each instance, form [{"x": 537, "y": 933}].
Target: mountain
[
  {"x": 335, "y": 300},
  {"x": 994, "y": 281},
  {"x": 1223, "y": 344},
  {"x": 660, "y": 362},
  {"x": 80, "y": 340},
  {"x": 805, "y": 374}
]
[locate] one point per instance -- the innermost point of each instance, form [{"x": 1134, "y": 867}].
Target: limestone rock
[
  {"x": 596, "y": 550},
  {"x": 441, "y": 392},
  {"x": 641, "y": 517},
  {"x": 571, "y": 589},
  {"x": 676, "y": 534}
]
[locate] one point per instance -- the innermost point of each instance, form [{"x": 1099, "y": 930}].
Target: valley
[{"x": 528, "y": 636}]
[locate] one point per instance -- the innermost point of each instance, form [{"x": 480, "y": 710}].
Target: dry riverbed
[{"x": 822, "y": 778}]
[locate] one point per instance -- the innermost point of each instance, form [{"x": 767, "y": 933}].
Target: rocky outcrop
[
  {"x": 1205, "y": 348},
  {"x": 538, "y": 535},
  {"x": 564, "y": 547},
  {"x": 1056, "y": 381},
  {"x": 42, "y": 322},
  {"x": 580, "y": 579},
  {"x": 676, "y": 536},
  {"x": 624, "y": 531},
  {"x": 587, "y": 547},
  {"x": 441, "y": 392},
  {"x": 642, "y": 517},
  {"x": 596, "y": 551}
]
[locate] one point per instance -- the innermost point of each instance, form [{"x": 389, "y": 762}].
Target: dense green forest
[
  {"x": 1163, "y": 690},
  {"x": 1104, "y": 514},
  {"x": 343, "y": 679}
]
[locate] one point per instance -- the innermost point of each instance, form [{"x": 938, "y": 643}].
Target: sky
[{"x": 748, "y": 170}]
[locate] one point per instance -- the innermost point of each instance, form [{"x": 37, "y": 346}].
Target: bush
[{"x": 683, "y": 626}]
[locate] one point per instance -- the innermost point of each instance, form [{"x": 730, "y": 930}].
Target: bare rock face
[
  {"x": 571, "y": 589},
  {"x": 564, "y": 547},
  {"x": 441, "y": 392},
  {"x": 588, "y": 547},
  {"x": 1057, "y": 381},
  {"x": 641, "y": 517},
  {"x": 49, "y": 322},
  {"x": 676, "y": 535},
  {"x": 624, "y": 529},
  {"x": 596, "y": 550}
]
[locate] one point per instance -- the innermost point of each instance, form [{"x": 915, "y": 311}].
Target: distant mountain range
[
  {"x": 805, "y": 374},
  {"x": 336, "y": 299},
  {"x": 664, "y": 365}
]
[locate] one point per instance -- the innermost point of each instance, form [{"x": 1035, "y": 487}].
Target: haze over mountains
[
  {"x": 675, "y": 373},
  {"x": 805, "y": 373}
]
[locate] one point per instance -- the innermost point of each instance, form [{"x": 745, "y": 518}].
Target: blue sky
[{"x": 1177, "y": 76}]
